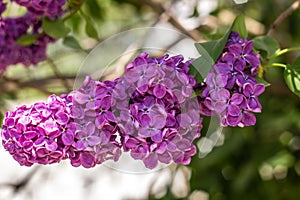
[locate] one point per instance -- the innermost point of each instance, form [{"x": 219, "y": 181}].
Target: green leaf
[
  {"x": 90, "y": 29},
  {"x": 95, "y": 9},
  {"x": 55, "y": 28},
  {"x": 196, "y": 69},
  {"x": 71, "y": 42},
  {"x": 1, "y": 119},
  {"x": 260, "y": 80},
  {"x": 267, "y": 44},
  {"x": 210, "y": 51},
  {"x": 75, "y": 4},
  {"x": 292, "y": 77},
  {"x": 27, "y": 40},
  {"x": 239, "y": 26}
]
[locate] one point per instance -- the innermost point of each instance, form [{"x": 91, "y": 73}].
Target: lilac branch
[{"x": 283, "y": 16}]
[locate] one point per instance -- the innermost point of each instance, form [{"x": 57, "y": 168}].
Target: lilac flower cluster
[
  {"x": 149, "y": 112},
  {"x": 157, "y": 118},
  {"x": 37, "y": 133},
  {"x": 12, "y": 53},
  {"x": 231, "y": 89},
  {"x": 12, "y": 28},
  {"x": 93, "y": 126},
  {"x": 49, "y": 8}
]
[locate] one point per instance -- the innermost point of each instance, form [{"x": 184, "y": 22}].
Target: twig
[
  {"x": 163, "y": 11},
  {"x": 283, "y": 16},
  {"x": 58, "y": 74}
]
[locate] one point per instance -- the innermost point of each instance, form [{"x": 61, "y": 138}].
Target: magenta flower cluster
[
  {"x": 231, "y": 89},
  {"x": 152, "y": 112},
  {"x": 12, "y": 28},
  {"x": 93, "y": 130},
  {"x": 36, "y": 134},
  {"x": 49, "y": 8},
  {"x": 148, "y": 112},
  {"x": 157, "y": 118}
]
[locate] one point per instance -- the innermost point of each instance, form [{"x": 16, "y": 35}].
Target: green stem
[
  {"x": 277, "y": 65},
  {"x": 284, "y": 51}
]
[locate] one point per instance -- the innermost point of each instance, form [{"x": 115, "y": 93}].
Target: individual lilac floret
[
  {"x": 11, "y": 53},
  {"x": 36, "y": 133},
  {"x": 49, "y": 8},
  {"x": 94, "y": 125},
  {"x": 231, "y": 89},
  {"x": 157, "y": 118}
]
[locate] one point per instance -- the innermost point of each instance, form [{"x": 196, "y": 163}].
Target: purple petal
[
  {"x": 93, "y": 140},
  {"x": 162, "y": 147},
  {"x": 248, "y": 47},
  {"x": 159, "y": 91},
  {"x": 222, "y": 68},
  {"x": 148, "y": 132},
  {"x": 248, "y": 119},
  {"x": 87, "y": 160},
  {"x": 62, "y": 118},
  {"x": 30, "y": 134},
  {"x": 151, "y": 161},
  {"x": 51, "y": 145},
  {"x": 220, "y": 106},
  {"x": 164, "y": 157},
  {"x": 67, "y": 138},
  {"x": 234, "y": 120},
  {"x": 145, "y": 120},
  {"x": 90, "y": 128},
  {"x": 253, "y": 60},
  {"x": 237, "y": 99},
  {"x": 80, "y": 97},
  {"x": 183, "y": 144},
  {"x": 235, "y": 49},
  {"x": 258, "y": 89},
  {"x": 157, "y": 137},
  {"x": 234, "y": 110},
  {"x": 248, "y": 89}
]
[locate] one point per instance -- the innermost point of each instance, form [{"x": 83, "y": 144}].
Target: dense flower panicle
[
  {"x": 157, "y": 118},
  {"x": 35, "y": 134},
  {"x": 93, "y": 138},
  {"x": 231, "y": 89},
  {"x": 49, "y": 8},
  {"x": 11, "y": 53}
]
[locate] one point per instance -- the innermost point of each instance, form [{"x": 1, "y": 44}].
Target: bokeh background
[{"x": 259, "y": 162}]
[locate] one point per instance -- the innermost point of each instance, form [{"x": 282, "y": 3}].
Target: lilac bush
[
  {"x": 231, "y": 89},
  {"x": 157, "y": 118},
  {"x": 35, "y": 134}
]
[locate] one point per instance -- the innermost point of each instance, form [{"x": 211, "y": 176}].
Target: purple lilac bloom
[
  {"x": 11, "y": 53},
  {"x": 156, "y": 116},
  {"x": 231, "y": 89},
  {"x": 50, "y": 8},
  {"x": 37, "y": 133},
  {"x": 93, "y": 125}
]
